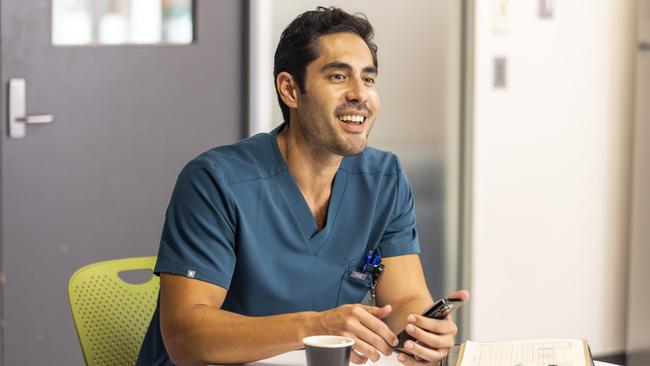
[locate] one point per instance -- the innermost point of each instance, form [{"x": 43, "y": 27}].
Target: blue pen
[
  {"x": 367, "y": 261},
  {"x": 368, "y": 257}
]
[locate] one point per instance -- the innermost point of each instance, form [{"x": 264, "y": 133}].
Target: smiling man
[{"x": 270, "y": 240}]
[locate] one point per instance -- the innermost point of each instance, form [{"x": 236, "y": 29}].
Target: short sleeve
[
  {"x": 198, "y": 238},
  {"x": 400, "y": 236}
]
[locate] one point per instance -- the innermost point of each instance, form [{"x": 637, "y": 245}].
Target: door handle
[
  {"x": 36, "y": 119},
  {"x": 18, "y": 117}
]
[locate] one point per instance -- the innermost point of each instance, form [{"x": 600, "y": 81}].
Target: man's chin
[{"x": 352, "y": 149}]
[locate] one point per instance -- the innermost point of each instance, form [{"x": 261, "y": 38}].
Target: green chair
[{"x": 111, "y": 316}]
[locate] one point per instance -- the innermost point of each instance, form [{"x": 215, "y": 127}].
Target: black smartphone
[{"x": 440, "y": 310}]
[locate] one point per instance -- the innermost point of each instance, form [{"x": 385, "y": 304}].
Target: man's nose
[{"x": 357, "y": 91}]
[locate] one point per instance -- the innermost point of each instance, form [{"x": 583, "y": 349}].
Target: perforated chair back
[{"x": 111, "y": 316}]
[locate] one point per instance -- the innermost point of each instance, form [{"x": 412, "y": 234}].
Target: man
[{"x": 264, "y": 240}]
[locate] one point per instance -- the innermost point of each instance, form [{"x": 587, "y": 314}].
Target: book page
[{"x": 543, "y": 352}]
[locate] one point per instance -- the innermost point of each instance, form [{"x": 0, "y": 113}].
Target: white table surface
[{"x": 297, "y": 358}]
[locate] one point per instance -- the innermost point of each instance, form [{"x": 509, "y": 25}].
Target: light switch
[{"x": 500, "y": 72}]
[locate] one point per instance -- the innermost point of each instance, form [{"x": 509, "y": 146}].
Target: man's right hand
[{"x": 363, "y": 324}]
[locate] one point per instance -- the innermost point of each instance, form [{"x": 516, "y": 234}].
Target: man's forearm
[
  {"x": 210, "y": 335},
  {"x": 396, "y": 320}
]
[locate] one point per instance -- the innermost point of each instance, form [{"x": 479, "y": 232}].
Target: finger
[
  {"x": 380, "y": 328},
  {"x": 430, "y": 340},
  {"x": 380, "y": 313},
  {"x": 366, "y": 350},
  {"x": 425, "y": 353},
  {"x": 357, "y": 358},
  {"x": 461, "y": 294},
  {"x": 373, "y": 339},
  {"x": 406, "y": 359},
  {"x": 438, "y": 326}
]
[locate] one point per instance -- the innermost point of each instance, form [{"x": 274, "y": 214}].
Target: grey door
[{"x": 94, "y": 184}]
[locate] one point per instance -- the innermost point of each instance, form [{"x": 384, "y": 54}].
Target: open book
[{"x": 540, "y": 352}]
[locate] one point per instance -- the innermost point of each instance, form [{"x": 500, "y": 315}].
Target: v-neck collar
[{"x": 292, "y": 193}]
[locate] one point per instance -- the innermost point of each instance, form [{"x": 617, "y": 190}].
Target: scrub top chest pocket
[{"x": 354, "y": 284}]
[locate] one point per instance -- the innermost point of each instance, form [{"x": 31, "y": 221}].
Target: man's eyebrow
[
  {"x": 370, "y": 70},
  {"x": 345, "y": 66},
  {"x": 336, "y": 65}
]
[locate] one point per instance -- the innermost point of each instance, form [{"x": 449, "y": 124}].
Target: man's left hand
[{"x": 433, "y": 337}]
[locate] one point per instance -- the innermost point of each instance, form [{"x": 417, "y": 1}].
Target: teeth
[{"x": 352, "y": 118}]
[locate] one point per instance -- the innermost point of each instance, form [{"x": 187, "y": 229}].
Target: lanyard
[{"x": 372, "y": 267}]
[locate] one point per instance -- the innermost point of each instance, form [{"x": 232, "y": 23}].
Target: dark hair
[{"x": 298, "y": 42}]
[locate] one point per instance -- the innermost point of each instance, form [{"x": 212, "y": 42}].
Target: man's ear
[{"x": 288, "y": 89}]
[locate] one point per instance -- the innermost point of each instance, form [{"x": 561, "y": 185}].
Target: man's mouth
[{"x": 352, "y": 119}]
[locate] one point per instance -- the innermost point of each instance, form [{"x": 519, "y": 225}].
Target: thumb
[
  {"x": 461, "y": 294},
  {"x": 379, "y": 312}
]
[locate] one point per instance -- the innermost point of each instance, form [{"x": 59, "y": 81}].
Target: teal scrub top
[{"x": 237, "y": 219}]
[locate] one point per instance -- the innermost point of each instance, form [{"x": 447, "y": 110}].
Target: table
[{"x": 297, "y": 358}]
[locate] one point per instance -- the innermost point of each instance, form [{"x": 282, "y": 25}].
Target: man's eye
[
  {"x": 337, "y": 77},
  {"x": 370, "y": 81}
]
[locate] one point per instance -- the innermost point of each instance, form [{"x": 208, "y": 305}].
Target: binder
[{"x": 456, "y": 353}]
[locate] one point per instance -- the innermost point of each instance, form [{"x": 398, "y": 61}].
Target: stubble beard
[{"x": 324, "y": 138}]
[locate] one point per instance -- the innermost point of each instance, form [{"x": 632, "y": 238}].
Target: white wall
[{"x": 551, "y": 172}]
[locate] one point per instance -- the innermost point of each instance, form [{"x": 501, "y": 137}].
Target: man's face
[{"x": 339, "y": 108}]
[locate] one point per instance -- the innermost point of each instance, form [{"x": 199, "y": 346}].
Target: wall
[
  {"x": 638, "y": 318},
  {"x": 551, "y": 171}
]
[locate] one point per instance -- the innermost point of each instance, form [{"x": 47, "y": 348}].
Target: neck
[{"x": 312, "y": 169}]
